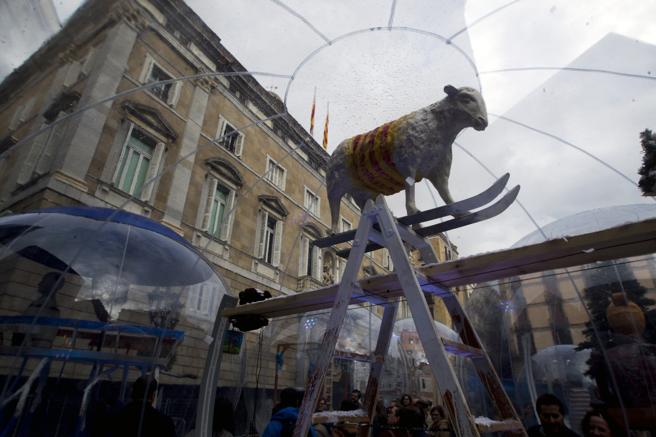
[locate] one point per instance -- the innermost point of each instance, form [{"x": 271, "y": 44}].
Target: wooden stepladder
[{"x": 378, "y": 228}]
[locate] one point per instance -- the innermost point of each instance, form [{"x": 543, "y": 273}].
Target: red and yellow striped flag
[
  {"x": 325, "y": 128},
  {"x": 314, "y": 105}
]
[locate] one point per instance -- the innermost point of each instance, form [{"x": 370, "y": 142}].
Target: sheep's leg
[
  {"x": 442, "y": 186},
  {"x": 410, "y": 205}
]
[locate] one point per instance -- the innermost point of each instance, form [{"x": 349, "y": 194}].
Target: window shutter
[
  {"x": 303, "y": 257},
  {"x": 36, "y": 147},
  {"x": 153, "y": 171},
  {"x": 117, "y": 170},
  {"x": 16, "y": 118},
  {"x": 174, "y": 93},
  {"x": 27, "y": 110},
  {"x": 317, "y": 269},
  {"x": 72, "y": 74},
  {"x": 209, "y": 198},
  {"x": 86, "y": 65},
  {"x": 277, "y": 244},
  {"x": 227, "y": 217},
  {"x": 239, "y": 145},
  {"x": 219, "y": 130},
  {"x": 284, "y": 179},
  {"x": 192, "y": 298},
  {"x": 259, "y": 239},
  {"x": 145, "y": 72},
  {"x": 50, "y": 148},
  {"x": 205, "y": 301}
]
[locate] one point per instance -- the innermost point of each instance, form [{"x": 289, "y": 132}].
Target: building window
[
  {"x": 202, "y": 301},
  {"x": 387, "y": 260},
  {"x": 310, "y": 259},
  {"x": 219, "y": 203},
  {"x": 312, "y": 202},
  {"x": 275, "y": 173},
  {"x": 345, "y": 225},
  {"x": 168, "y": 92},
  {"x": 139, "y": 163},
  {"x": 269, "y": 237},
  {"x": 229, "y": 137}
]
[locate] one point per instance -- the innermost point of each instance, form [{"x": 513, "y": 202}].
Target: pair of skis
[{"x": 460, "y": 210}]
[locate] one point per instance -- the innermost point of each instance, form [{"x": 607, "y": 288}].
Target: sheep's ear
[{"x": 450, "y": 90}]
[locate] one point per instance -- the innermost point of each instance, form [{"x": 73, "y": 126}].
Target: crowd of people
[
  {"x": 408, "y": 417},
  {"x": 403, "y": 417},
  {"x": 551, "y": 411}
]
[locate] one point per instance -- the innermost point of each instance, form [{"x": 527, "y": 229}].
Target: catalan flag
[
  {"x": 314, "y": 105},
  {"x": 325, "y": 129}
]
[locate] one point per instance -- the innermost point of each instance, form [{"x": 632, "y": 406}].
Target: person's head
[
  {"x": 51, "y": 282},
  {"x": 422, "y": 405},
  {"x": 224, "y": 416},
  {"x": 551, "y": 412},
  {"x": 290, "y": 397},
  {"x": 406, "y": 400},
  {"x": 437, "y": 413},
  {"x": 144, "y": 388},
  {"x": 595, "y": 423},
  {"x": 322, "y": 405},
  {"x": 356, "y": 395},
  {"x": 392, "y": 418}
]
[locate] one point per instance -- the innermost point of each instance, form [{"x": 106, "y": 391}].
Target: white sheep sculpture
[{"x": 397, "y": 154}]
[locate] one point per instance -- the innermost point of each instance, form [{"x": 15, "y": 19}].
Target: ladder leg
[
  {"x": 483, "y": 365},
  {"x": 337, "y": 314},
  {"x": 382, "y": 345},
  {"x": 449, "y": 386}
]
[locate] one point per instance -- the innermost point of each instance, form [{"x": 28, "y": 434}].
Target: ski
[
  {"x": 480, "y": 199},
  {"x": 474, "y": 217}
]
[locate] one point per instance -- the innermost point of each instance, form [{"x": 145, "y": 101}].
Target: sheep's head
[{"x": 470, "y": 102}]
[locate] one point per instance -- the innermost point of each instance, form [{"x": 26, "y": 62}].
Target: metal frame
[{"x": 379, "y": 227}]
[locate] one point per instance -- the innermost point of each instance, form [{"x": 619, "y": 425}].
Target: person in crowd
[
  {"x": 322, "y": 405},
  {"x": 406, "y": 400},
  {"x": 139, "y": 418},
  {"x": 424, "y": 408},
  {"x": 285, "y": 414},
  {"x": 352, "y": 403},
  {"x": 411, "y": 422},
  {"x": 596, "y": 423},
  {"x": 440, "y": 426},
  {"x": 380, "y": 418},
  {"x": 356, "y": 398},
  {"x": 551, "y": 412}
]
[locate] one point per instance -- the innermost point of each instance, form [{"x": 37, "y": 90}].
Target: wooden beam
[{"x": 624, "y": 241}]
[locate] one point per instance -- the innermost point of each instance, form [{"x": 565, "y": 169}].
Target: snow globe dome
[
  {"x": 102, "y": 296},
  {"x": 590, "y": 221}
]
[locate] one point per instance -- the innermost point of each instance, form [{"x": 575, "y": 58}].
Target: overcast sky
[{"x": 374, "y": 76}]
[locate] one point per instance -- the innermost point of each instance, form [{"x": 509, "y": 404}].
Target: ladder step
[
  {"x": 461, "y": 349},
  {"x": 485, "y": 424}
]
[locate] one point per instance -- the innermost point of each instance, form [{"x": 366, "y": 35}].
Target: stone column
[
  {"x": 85, "y": 131},
  {"x": 182, "y": 174}
]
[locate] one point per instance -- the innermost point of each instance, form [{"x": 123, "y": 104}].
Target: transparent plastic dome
[
  {"x": 206, "y": 129},
  {"x": 99, "y": 295}
]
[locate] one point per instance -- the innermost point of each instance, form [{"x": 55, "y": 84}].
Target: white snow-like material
[
  {"x": 590, "y": 221},
  {"x": 488, "y": 423},
  {"x": 337, "y": 416}
]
